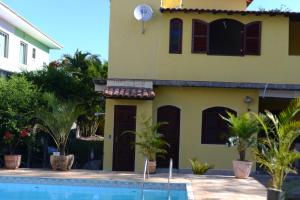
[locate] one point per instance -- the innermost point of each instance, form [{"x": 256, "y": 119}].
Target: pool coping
[{"x": 100, "y": 183}]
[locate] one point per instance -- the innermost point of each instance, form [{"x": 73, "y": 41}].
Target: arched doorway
[{"x": 171, "y": 132}]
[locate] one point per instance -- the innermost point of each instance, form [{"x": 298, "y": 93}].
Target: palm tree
[
  {"x": 275, "y": 152},
  {"x": 244, "y": 129},
  {"x": 57, "y": 118},
  {"x": 86, "y": 67},
  {"x": 83, "y": 65}
]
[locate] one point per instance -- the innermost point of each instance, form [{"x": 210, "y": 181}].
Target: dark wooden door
[
  {"x": 171, "y": 132},
  {"x": 123, "y": 150}
]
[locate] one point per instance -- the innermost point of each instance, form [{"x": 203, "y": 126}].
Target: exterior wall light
[{"x": 248, "y": 100}]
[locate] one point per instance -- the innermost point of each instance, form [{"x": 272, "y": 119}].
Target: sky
[
  {"x": 75, "y": 24},
  {"x": 84, "y": 24}
]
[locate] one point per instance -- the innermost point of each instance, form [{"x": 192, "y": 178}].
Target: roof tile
[
  {"x": 242, "y": 12},
  {"x": 129, "y": 93}
]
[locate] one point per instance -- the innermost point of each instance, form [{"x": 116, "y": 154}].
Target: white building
[{"x": 22, "y": 45}]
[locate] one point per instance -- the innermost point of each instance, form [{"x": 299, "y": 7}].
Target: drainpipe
[{"x": 265, "y": 90}]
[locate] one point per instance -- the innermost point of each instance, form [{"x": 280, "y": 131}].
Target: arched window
[
  {"x": 175, "y": 45},
  {"x": 214, "y": 129},
  {"x": 226, "y": 37}
]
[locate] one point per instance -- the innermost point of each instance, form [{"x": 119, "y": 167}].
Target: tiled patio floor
[{"x": 204, "y": 187}]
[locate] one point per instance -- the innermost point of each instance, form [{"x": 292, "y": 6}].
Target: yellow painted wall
[
  {"x": 295, "y": 38},
  {"x": 143, "y": 108},
  {"x": 171, "y": 3},
  {"x": 216, "y": 4},
  {"x": 192, "y": 101},
  {"x": 146, "y": 56},
  {"x": 208, "y": 4}
]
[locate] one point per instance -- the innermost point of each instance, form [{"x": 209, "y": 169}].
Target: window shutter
[
  {"x": 176, "y": 26},
  {"x": 252, "y": 44},
  {"x": 199, "y": 36}
]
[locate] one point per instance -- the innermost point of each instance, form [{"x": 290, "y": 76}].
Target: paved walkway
[{"x": 204, "y": 187}]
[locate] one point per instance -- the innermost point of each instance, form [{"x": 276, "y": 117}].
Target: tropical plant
[
  {"x": 198, "y": 167},
  {"x": 244, "y": 129},
  {"x": 274, "y": 152},
  {"x": 57, "y": 118},
  {"x": 86, "y": 67},
  {"x": 83, "y": 65},
  {"x": 150, "y": 141},
  {"x": 18, "y": 100},
  {"x": 72, "y": 77}
]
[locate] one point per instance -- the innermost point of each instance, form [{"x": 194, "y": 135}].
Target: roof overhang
[
  {"x": 141, "y": 83},
  {"x": 21, "y": 23},
  {"x": 229, "y": 12},
  {"x": 249, "y": 2},
  {"x": 125, "y": 89}
]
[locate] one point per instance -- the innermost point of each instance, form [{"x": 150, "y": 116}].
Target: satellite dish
[{"x": 143, "y": 12}]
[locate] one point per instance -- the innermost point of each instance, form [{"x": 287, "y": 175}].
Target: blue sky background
[{"x": 84, "y": 24}]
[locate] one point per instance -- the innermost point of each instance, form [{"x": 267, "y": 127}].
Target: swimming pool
[{"x": 13, "y": 188}]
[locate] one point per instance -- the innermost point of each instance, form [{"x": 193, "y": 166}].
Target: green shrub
[
  {"x": 18, "y": 100},
  {"x": 198, "y": 167}
]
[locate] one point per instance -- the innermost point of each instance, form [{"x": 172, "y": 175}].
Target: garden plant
[
  {"x": 244, "y": 130},
  {"x": 275, "y": 151}
]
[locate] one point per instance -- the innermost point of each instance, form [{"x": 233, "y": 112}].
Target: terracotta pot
[
  {"x": 12, "y": 161},
  {"x": 61, "y": 163},
  {"x": 274, "y": 194},
  {"x": 242, "y": 169},
  {"x": 152, "y": 167}
]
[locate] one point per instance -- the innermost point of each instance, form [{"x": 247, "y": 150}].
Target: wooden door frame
[
  {"x": 179, "y": 129},
  {"x": 114, "y": 136}
]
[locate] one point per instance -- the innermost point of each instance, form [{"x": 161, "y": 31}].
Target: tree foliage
[
  {"x": 72, "y": 78},
  {"x": 244, "y": 129},
  {"x": 57, "y": 117},
  {"x": 18, "y": 100},
  {"x": 275, "y": 152}
]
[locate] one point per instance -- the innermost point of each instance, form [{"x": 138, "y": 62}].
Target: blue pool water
[{"x": 15, "y": 191}]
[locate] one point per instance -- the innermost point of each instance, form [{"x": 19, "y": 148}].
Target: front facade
[
  {"x": 22, "y": 46},
  {"x": 195, "y": 61}
]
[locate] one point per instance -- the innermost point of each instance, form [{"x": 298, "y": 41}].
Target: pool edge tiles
[
  {"x": 98, "y": 183},
  {"x": 189, "y": 191}
]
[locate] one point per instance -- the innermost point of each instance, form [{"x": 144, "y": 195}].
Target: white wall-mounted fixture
[
  {"x": 143, "y": 13},
  {"x": 248, "y": 100}
]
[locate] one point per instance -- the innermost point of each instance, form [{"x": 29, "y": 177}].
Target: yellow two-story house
[{"x": 194, "y": 60}]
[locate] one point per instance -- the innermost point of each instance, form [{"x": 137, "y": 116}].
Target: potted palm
[
  {"x": 57, "y": 119},
  {"x": 274, "y": 152},
  {"x": 244, "y": 129},
  {"x": 11, "y": 140},
  {"x": 151, "y": 143}
]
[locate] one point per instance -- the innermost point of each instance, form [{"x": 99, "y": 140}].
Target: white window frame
[
  {"x": 6, "y": 43},
  {"x": 24, "y": 59}
]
